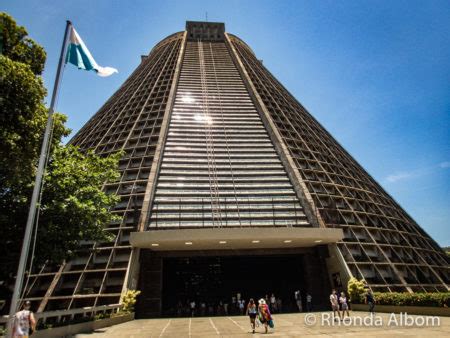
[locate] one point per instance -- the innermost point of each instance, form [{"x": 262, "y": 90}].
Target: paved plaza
[{"x": 286, "y": 325}]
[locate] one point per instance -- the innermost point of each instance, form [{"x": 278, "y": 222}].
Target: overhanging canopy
[{"x": 234, "y": 238}]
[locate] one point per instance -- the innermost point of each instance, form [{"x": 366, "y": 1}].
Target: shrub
[
  {"x": 128, "y": 300},
  {"x": 102, "y": 315},
  {"x": 355, "y": 289},
  {"x": 437, "y": 299}
]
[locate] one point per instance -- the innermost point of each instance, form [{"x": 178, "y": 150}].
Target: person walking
[
  {"x": 24, "y": 322},
  {"x": 370, "y": 300},
  {"x": 335, "y": 304},
  {"x": 252, "y": 312},
  {"x": 344, "y": 304},
  {"x": 308, "y": 302},
  {"x": 264, "y": 314}
]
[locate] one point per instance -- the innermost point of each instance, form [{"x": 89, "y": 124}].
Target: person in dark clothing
[
  {"x": 309, "y": 306},
  {"x": 370, "y": 300}
]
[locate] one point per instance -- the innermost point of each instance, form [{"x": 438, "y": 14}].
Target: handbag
[{"x": 257, "y": 322}]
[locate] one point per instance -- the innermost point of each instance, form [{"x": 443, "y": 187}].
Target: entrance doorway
[
  {"x": 215, "y": 280},
  {"x": 169, "y": 281}
]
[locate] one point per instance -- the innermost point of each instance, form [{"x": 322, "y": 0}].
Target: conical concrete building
[{"x": 228, "y": 185}]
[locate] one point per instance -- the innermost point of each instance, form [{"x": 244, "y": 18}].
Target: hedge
[{"x": 437, "y": 299}]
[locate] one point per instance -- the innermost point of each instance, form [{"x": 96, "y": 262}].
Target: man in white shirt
[{"x": 335, "y": 304}]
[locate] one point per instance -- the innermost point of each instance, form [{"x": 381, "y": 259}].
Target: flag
[{"x": 78, "y": 55}]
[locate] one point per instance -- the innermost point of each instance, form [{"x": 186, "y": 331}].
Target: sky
[{"x": 375, "y": 74}]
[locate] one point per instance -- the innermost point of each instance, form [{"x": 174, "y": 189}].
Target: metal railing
[{"x": 69, "y": 315}]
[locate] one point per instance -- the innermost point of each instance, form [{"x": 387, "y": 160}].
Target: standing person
[
  {"x": 192, "y": 307},
  {"x": 202, "y": 309},
  {"x": 309, "y": 302},
  {"x": 335, "y": 304},
  {"x": 179, "y": 308},
  {"x": 220, "y": 309},
  {"x": 241, "y": 305},
  {"x": 298, "y": 300},
  {"x": 273, "y": 303},
  {"x": 370, "y": 300},
  {"x": 344, "y": 304},
  {"x": 264, "y": 314},
  {"x": 24, "y": 322},
  {"x": 210, "y": 309},
  {"x": 238, "y": 304},
  {"x": 279, "y": 305},
  {"x": 251, "y": 312}
]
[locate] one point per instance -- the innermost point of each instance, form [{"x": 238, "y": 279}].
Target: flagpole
[{"x": 37, "y": 187}]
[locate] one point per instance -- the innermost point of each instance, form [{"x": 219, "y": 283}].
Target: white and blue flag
[{"x": 78, "y": 55}]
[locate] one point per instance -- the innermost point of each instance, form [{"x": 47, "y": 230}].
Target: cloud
[
  {"x": 400, "y": 177},
  {"x": 407, "y": 175}
]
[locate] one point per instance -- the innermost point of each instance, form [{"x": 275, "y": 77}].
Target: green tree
[
  {"x": 74, "y": 208},
  {"x": 18, "y": 47}
]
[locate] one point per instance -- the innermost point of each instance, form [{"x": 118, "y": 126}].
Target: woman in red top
[{"x": 264, "y": 314}]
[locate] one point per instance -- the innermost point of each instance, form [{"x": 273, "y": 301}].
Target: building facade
[{"x": 227, "y": 182}]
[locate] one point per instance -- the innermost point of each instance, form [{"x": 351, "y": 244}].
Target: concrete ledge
[
  {"x": 69, "y": 330},
  {"x": 234, "y": 238},
  {"x": 411, "y": 310}
]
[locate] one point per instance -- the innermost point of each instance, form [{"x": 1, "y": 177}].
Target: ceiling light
[
  {"x": 256, "y": 241},
  {"x": 188, "y": 243},
  {"x": 288, "y": 241},
  {"x": 222, "y": 242},
  {"x": 318, "y": 241},
  {"x": 155, "y": 244}
]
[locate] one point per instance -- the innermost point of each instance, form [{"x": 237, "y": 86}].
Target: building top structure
[{"x": 205, "y": 31}]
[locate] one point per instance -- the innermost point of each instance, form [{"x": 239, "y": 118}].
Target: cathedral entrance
[
  {"x": 215, "y": 284},
  {"x": 170, "y": 283}
]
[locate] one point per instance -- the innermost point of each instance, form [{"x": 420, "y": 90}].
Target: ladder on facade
[
  {"x": 225, "y": 135},
  {"x": 211, "y": 162}
]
